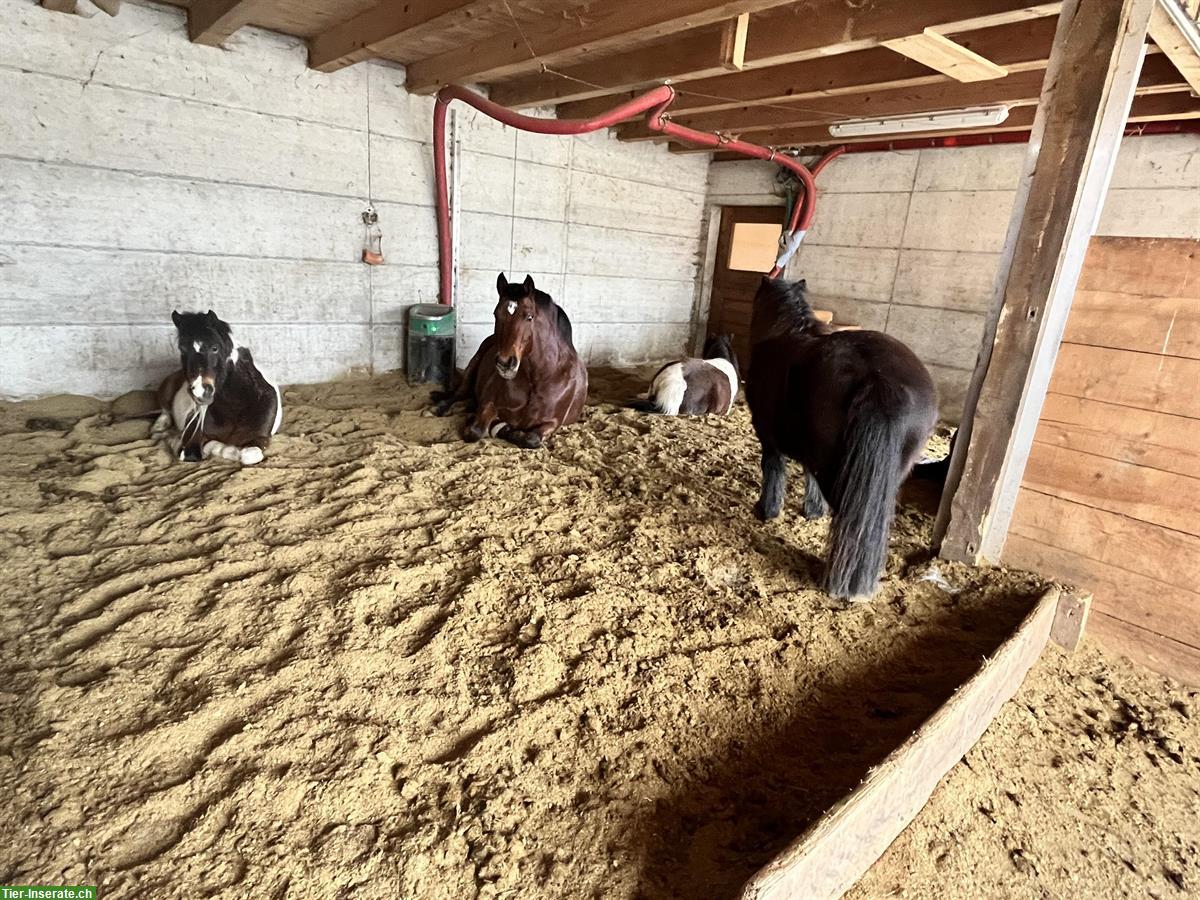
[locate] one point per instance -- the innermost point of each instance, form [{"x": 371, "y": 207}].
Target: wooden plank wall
[{"x": 1111, "y": 495}]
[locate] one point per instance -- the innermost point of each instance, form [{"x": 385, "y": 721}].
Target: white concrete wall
[
  {"x": 140, "y": 173},
  {"x": 909, "y": 242}
]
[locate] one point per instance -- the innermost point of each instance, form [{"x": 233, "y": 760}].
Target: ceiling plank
[
  {"x": 611, "y": 25},
  {"x": 1158, "y": 75},
  {"x": 789, "y": 34},
  {"x": 1020, "y": 47},
  {"x": 356, "y": 40},
  {"x": 1172, "y": 38},
  {"x": 944, "y": 55},
  {"x": 1152, "y": 108},
  {"x": 211, "y": 22}
]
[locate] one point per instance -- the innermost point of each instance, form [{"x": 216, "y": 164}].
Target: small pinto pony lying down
[
  {"x": 218, "y": 403},
  {"x": 526, "y": 380},
  {"x": 695, "y": 387}
]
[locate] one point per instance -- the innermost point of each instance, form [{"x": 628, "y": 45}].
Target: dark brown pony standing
[
  {"x": 526, "y": 380},
  {"x": 217, "y": 403},
  {"x": 855, "y": 408}
]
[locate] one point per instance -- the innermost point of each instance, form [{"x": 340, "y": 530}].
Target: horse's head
[
  {"x": 518, "y": 314},
  {"x": 780, "y": 307},
  {"x": 206, "y": 352}
]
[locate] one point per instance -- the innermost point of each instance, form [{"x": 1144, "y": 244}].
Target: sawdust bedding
[{"x": 386, "y": 659}]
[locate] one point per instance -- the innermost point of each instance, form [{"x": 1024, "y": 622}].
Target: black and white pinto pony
[
  {"x": 855, "y": 408},
  {"x": 218, "y": 404},
  {"x": 695, "y": 387}
]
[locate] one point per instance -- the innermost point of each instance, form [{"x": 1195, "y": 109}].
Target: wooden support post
[
  {"x": 1179, "y": 38},
  {"x": 1089, "y": 87},
  {"x": 733, "y": 43}
]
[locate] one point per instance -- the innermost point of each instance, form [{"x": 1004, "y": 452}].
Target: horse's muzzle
[{"x": 507, "y": 368}]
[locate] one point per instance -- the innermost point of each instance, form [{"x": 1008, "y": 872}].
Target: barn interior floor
[{"x": 384, "y": 657}]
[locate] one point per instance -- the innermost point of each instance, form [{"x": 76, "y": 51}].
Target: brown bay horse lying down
[
  {"x": 526, "y": 380},
  {"x": 695, "y": 387},
  {"x": 218, "y": 403},
  {"x": 855, "y": 408}
]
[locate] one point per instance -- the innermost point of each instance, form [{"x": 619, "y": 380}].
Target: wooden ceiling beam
[
  {"x": 1151, "y": 108},
  {"x": 1159, "y": 75},
  {"x": 1179, "y": 38},
  {"x": 607, "y": 26},
  {"x": 211, "y": 22},
  {"x": 789, "y": 34},
  {"x": 1020, "y": 47},
  {"x": 358, "y": 38}
]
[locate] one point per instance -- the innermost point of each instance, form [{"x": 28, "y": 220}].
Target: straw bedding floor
[{"x": 388, "y": 659}]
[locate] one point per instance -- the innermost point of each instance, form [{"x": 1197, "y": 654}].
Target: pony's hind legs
[
  {"x": 814, "y": 501},
  {"x": 774, "y": 485}
]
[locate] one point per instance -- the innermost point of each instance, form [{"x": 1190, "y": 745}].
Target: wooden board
[
  {"x": 1120, "y": 263},
  {"x": 1168, "y": 325},
  {"x": 1070, "y": 619},
  {"x": 833, "y": 854},
  {"x": 1142, "y": 437},
  {"x": 1150, "y": 495},
  {"x": 1140, "y": 380},
  {"x": 1169, "y": 35},
  {"x": 1169, "y": 557},
  {"x": 1137, "y": 599},
  {"x": 944, "y": 55},
  {"x": 1154, "y": 651}
]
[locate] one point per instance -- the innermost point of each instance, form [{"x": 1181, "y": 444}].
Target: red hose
[{"x": 654, "y": 103}]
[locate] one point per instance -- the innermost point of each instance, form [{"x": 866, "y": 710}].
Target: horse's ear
[
  {"x": 501, "y": 283},
  {"x": 528, "y": 284},
  {"x": 175, "y": 317},
  {"x": 212, "y": 315},
  {"x": 802, "y": 284}
]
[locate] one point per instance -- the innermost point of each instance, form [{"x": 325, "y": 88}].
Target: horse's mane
[
  {"x": 545, "y": 302},
  {"x": 780, "y": 308}
]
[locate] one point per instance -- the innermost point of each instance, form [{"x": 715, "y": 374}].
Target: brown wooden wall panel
[
  {"x": 1150, "y": 267},
  {"x": 1139, "y": 436},
  {"x": 1153, "y": 650},
  {"x": 1169, "y": 325},
  {"x": 1150, "y": 495},
  {"x": 1109, "y": 538},
  {"x": 1141, "y": 380},
  {"x": 1138, "y": 599},
  {"x": 1111, "y": 495}
]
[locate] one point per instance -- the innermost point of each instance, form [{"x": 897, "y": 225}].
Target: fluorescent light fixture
[{"x": 975, "y": 117}]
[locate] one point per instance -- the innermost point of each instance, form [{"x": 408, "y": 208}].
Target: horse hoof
[
  {"x": 761, "y": 513},
  {"x": 442, "y": 409},
  {"x": 251, "y": 456}
]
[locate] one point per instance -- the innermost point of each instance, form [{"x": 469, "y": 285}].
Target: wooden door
[{"x": 733, "y": 289}]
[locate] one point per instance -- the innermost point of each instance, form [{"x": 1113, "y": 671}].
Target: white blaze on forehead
[
  {"x": 512, "y": 307},
  {"x": 196, "y": 346}
]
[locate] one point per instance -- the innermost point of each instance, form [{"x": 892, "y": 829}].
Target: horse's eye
[{"x": 529, "y": 318}]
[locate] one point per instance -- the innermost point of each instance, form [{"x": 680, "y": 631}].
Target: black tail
[
  {"x": 646, "y": 406},
  {"x": 865, "y": 494}
]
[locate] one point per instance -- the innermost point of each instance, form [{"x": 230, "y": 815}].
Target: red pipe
[{"x": 654, "y": 103}]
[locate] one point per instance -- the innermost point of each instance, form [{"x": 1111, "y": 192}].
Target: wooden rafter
[
  {"x": 1158, "y": 76},
  {"x": 1152, "y": 108},
  {"x": 1179, "y": 38},
  {"x": 211, "y": 22},
  {"x": 360, "y": 37},
  {"x": 943, "y": 55},
  {"x": 611, "y": 25},
  {"x": 801, "y": 32}
]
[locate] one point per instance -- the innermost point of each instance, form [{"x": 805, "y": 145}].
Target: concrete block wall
[
  {"x": 909, "y": 242},
  {"x": 140, "y": 173}
]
